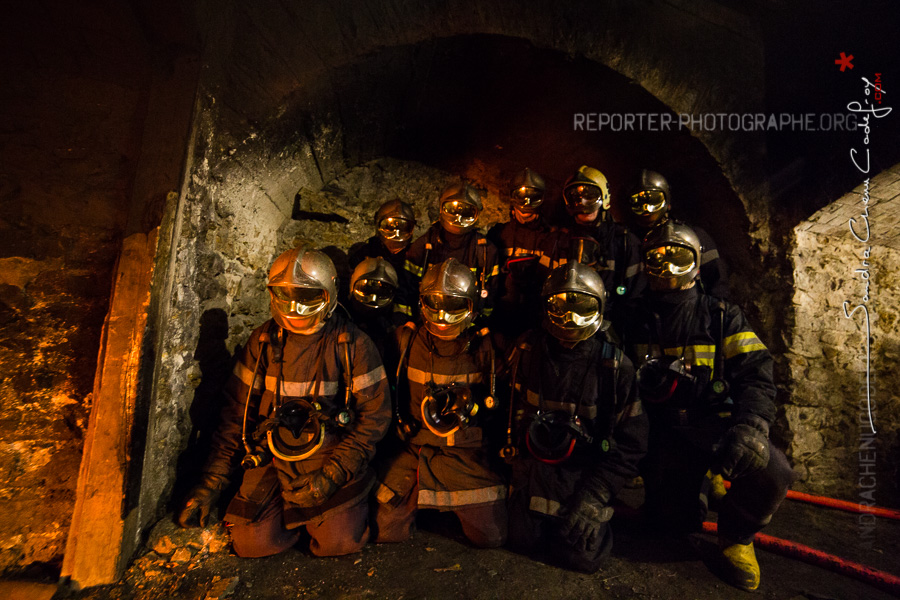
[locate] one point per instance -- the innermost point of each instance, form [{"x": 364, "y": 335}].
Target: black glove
[
  {"x": 200, "y": 499},
  {"x": 317, "y": 487},
  {"x": 743, "y": 450},
  {"x": 586, "y": 518}
]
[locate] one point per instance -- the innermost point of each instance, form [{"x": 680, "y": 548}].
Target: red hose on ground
[
  {"x": 879, "y": 579},
  {"x": 887, "y": 513}
]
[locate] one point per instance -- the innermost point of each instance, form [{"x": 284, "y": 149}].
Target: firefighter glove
[
  {"x": 200, "y": 499},
  {"x": 743, "y": 450},
  {"x": 585, "y": 520},
  {"x": 317, "y": 487}
]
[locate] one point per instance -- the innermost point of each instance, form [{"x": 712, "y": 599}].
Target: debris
[
  {"x": 428, "y": 549},
  {"x": 164, "y": 545},
  {"x": 455, "y": 567},
  {"x": 371, "y": 572},
  {"x": 181, "y": 555},
  {"x": 220, "y": 588},
  {"x": 357, "y": 561}
]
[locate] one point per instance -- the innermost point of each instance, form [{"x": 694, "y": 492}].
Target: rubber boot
[{"x": 739, "y": 566}]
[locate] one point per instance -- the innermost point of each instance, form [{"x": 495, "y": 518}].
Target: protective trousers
[
  {"x": 674, "y": 473},
  {"x": 448, "y": 479},
  {"x": 539, "y": 494}
]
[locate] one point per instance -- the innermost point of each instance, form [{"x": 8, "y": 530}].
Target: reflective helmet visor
[
  {"x": 395, "y": 228},
  {"x": 582, "y": 195},
  {"x": 372, "y": 292},
  {"x": 647, "y": 202},
  {"x": 298, "y": 300},
  {"x": 669, "y": 261},
  {"x": 527, "y": 197},
  {"x": 573, "y": 309},
  {"x": 443, "y": 309},
  {"x": 459, "y": 213}
]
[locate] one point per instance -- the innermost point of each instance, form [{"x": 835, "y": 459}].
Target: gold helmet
[
  {"x": 574, "y": 299},
  {"x": 672, "y": 254},
  {"x": 448, "y": 293},
  {"x": 460, "y": 205},
  {"x": 302, "y": 289}
]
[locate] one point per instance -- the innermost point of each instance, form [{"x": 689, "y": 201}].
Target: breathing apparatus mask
[
  {"x": 552, "y": 436},
  {"x": 448, "y": 408},
  {"x": 660, "y": 377}
]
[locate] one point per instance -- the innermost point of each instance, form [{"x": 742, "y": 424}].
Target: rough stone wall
[
  {"x": 237, "y": 217},
  {"x": 828, "y": 412},
  {"x": 70, "y": 121}
]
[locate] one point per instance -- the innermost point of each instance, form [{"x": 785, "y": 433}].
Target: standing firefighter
[
  {"x": 306, "y": 404},
  {"x": 595, "y": 239},
  {"x": 445, "y": 404},
  {"x": 454, "y": 235},
  {"x": 580, "y": 430},
  {"x": 706, "y": 382},
  {"x": 649, "y": 206},
  {"x": 526, "y": 243}
]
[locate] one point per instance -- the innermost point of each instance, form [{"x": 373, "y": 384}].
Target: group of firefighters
[{"x": 519, "y": 380}]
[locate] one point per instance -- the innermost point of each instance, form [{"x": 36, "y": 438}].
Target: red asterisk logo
[{"x": 844, "y": 61}]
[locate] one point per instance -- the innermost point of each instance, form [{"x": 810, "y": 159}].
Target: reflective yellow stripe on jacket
[{"x": 741, "y": 343}]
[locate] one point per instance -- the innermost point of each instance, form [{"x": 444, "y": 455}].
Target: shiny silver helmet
[
  {"x": 650, "y": 199},
  {"x": 586, "y": 191},
  {"x": 574, "y": 299},
  {"x": 671, "y": 254},
  {"x": 394, "y": 225},
  {"x": 448, "y": 293},
  {"x": 302, "y": 289},
  {"x": 526, "y": 191},
  {"x": 373, "y": 283},
  {"x": 460, "y": 205}
]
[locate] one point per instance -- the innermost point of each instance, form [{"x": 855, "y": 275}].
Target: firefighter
[
  {"x": 595, "y": 239},
  {"x": 706, "y": 382},
  {"x": 445, "y": 408},
  {"x": 649, "y": 205},
  {"x": 580, "y": 429},
  {"x": 304, "y": 408},
  {"x": 395, "y": 222},
  {"x": 373, "y": 287},
  {"x": 454, "y": 235},
  {"x": 527, "y": 244}
]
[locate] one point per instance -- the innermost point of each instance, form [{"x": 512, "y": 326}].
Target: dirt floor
[{"x": 436, "y": 563}]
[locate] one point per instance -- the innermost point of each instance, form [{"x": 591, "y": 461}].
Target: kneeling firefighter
[
  {"x": 706, "y": 381},
  {"x": 444, "y": 412},
  {"x": 305, "y": 406},
  {"x": 580, "y": 429}
]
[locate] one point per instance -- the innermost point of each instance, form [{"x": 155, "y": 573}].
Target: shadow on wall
[{"x": 216, "y": 364}]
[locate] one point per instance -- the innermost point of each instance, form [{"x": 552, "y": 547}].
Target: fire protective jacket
[
  {"x": 452, "y": 471},
  {"x": 595, "y": 383},
  {"x": 313, "y": 366},
  {"x": 689, "y": 327},
  {"x": 527, "y": 252},
  {"x": 471, "y": 249},
  {"x": 620, "y": 261},
  {"x": 374, "y": 248}
]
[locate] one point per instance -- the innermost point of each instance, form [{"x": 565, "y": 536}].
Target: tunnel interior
[{"x": 306, "y": 118}]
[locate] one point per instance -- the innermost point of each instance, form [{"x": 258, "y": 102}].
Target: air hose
[{"x": 887, "y": 513}]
